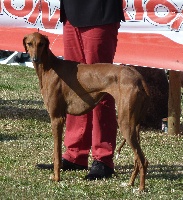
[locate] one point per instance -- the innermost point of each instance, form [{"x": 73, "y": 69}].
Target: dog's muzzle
[{"x": 36, "y": 59}]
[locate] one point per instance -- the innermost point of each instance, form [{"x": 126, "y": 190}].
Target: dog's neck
[
  {"x": 44, "y": 62},
  {"x": 43, "y": 67}
]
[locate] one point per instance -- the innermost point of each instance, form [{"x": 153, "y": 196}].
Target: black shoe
[
  {"x": 45, "y": 166},
  {"x": 99, "y": 171},
  {"x": 66, "y": 165}
]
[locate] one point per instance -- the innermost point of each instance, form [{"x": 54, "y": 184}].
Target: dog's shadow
[
  {"x": 23, "y": 109},
  {"x": 161, "y": 171},
  {"x": 7, "y": 137},
  {"x": 20, "y": 109}
]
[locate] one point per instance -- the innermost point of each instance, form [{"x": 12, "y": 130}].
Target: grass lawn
[{"x": 25, "y": 140}]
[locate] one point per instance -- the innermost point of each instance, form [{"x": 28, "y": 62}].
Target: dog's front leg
[{"x": 57, "y": 129}]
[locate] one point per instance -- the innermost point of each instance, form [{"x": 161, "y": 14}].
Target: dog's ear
[
  {"x": 24, "y": 44},
  {"x": 47, "y": 42}
]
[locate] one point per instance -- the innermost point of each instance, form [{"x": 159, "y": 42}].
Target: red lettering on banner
[
  {"x": 176, "y": 25},
  {"x": 139, "y": 10},
  {"x": 49, "y": 23},
  {"x": 124, "y": 5},
  {"x": 19, "y": 13},
  {"x": 34, "y": 15},
  {"x": 125, "y": 8},
  {"x": 151, "y": 7},
  {"x": 45, "y": 15},
  {"x": 135, "y": 12}
]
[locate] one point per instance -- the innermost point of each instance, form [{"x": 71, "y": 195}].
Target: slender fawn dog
[{"x": 70, "y": 87}]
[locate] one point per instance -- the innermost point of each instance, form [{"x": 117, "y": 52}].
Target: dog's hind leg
[
  {"x": 141, "y": 165},
  {"x": 136, "y": 167},
  {"x": 140, "y": 162},
  {"x": 57, "y": 129},
  {"x": 129, "y": 115}
]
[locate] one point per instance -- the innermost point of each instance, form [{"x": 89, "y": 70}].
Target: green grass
[{"x": 25, "y": 139}]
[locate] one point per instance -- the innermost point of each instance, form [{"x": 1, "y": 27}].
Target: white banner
[
  {"x": 151, "y": 25},
  {"x": 160, "y": 16}
]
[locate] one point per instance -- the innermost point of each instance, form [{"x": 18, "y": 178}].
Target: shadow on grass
[
  {"x": 170, "y": 172},
  {"x": 161, "y": 171},
  {"x": 19, "y": 109},
  {"x": 5, "y": 137}
]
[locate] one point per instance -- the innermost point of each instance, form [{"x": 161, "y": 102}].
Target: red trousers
[{"x": 97, "y": 129}]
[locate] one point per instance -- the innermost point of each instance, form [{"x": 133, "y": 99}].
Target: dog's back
[{"x": 87, "y": 84}]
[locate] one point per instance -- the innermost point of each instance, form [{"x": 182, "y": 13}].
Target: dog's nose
[{"x": 35, "y": 59}]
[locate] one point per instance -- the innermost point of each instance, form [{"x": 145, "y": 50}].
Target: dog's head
[{"x": 35, "y": 44}]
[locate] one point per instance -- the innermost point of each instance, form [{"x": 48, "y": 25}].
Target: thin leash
[{"x": 40, "y": 10}]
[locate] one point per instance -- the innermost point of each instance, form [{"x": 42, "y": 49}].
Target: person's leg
[
  {"x": 104, "y": 131},
  {"x": 78, "y": 128},
  {"x": 100, "y": 46}
]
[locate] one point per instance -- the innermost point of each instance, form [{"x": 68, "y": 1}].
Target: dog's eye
[
  {"x": 29, "y": 44},
  {"x": 40, "y": 44}
]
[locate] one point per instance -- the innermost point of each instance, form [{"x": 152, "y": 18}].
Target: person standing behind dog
[{"x": 90, "y": 36}]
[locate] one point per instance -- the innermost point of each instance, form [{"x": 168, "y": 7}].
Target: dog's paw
[
  {"x": 139, "y": 191},
  {"x": 124, "y": 184},
  {"x": 117, "y": 156},
  {"x": 54, "y": 178},
  {"x": 136, "y": 190}
]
